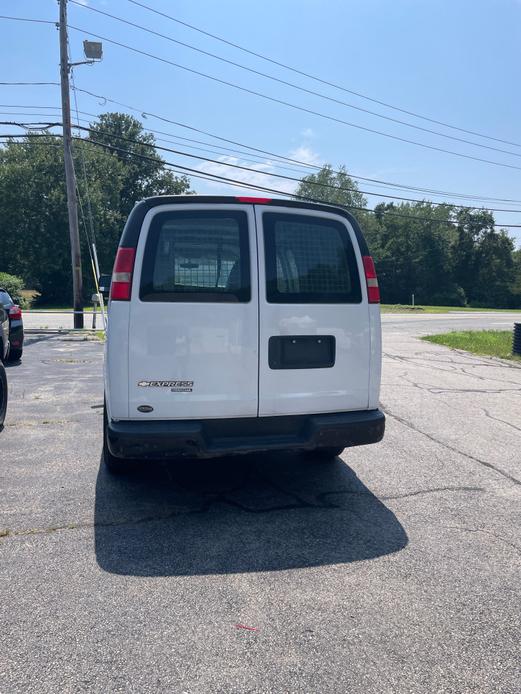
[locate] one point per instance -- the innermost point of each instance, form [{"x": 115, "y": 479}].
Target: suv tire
[
  {"x": 15, "y": 355},
  {"x": 3, "y": 396},
  {"x": 4, "y": 359}
]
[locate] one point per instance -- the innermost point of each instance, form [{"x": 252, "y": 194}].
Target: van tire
[
  {"x": 116, "y": 466},
  {"x": 324, "y": 455}
]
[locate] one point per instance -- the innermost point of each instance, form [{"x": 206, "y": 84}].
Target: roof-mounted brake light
[{"x": 254, "y": 201}]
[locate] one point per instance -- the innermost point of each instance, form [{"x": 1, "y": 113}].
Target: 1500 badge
[{"x": 175, "y": 386}]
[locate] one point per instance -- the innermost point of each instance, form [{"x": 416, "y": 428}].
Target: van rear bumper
[{"x": 208, "y": 438}]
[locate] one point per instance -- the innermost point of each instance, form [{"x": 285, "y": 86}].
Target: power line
[
  {"x": 38, "y": 125},
  {"x": 25, "y": 113},
  {"x": 28, "y": 19},
  {"x": 196, "y": 173},
  {"x": 287, "y": 103},
  {"x": 8, "y": 141},
  {"x": 291, "y": 105},
  {"x": 291, "y": 84},
  {"x": 272, "y": 174},
  {"x": 306, "y": 165},
  {"x": 319, "y": 79},
  {"x": 31, "y": 84},
  {"x": 302, "y": 170},
  {"x": 219, "y": 162},
  {"x": 145, "y": 114},
  {"x": 53, "y": 108}
]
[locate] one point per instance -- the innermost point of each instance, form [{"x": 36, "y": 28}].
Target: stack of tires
[{"x": 516, "y": 342}]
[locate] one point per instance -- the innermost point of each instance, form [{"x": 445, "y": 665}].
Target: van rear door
[
  {"x": 315, "y": 340},
  {"x": 193, "y": 336}
]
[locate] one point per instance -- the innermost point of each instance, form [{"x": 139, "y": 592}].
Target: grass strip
[{"x": 490, "y": 343}]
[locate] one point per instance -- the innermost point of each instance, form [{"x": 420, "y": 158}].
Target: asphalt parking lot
[{"x": 395, "y": 569}]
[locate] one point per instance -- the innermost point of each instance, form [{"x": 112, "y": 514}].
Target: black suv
[{"x": 16, "y": 326}]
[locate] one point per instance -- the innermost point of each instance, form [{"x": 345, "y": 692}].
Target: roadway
[{"x": 395, "y": 569}]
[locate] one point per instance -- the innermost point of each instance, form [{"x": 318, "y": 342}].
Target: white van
[{"x": 240, "y": 324}]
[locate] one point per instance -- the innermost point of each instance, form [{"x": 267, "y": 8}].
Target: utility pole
[{"x": 70, "y": 176}]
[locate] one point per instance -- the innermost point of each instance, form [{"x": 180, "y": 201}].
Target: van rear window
[
  {"x": 309, "y": 260},
  {"x": 197, "y": 256}
]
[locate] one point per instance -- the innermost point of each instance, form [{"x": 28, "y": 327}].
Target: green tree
[
  {"x": 33, "y": 212},
  {"x": 496, "y": 270},
  {"x": 335, "y": 187},
  {"x": 144, "y": 172},
  {"x": 33, "y": 206},
  {"x": 469, "y": 229},
  {"x": 516, "y": 283},
  {"x": 413, "y": 254},
  {"x": 483, "y": 259},
  {"x": 14, "y": 286}
]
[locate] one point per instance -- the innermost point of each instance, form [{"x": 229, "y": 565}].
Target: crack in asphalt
[
  {"x": 459, "y": 369},
  {"x": 406, "y": 495},
  {"x": 488, "y": 378},
  {"x": 436, "y": 390},
  {"x": 467, "y": 360},
  {"x": 320, "y": 503},
  {"x": 498, "y": 419},
  {"x": 485, "y": 532},
  {"x": 37, "y": 422},
  {"x": 485, "y": 463},
  {"x": 414, "y": 360}
]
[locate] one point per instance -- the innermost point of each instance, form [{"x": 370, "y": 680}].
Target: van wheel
[
  {"x": 324, "y": 454},
  {"x": 116, "y": 466}
]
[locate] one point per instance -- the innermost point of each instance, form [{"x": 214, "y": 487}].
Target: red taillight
[
  {"x": 255, "y": 201},
  {"x": 121, "y": 285},
  {"x": 373, "y": 291},
  {"x": 15, "y": 313}
]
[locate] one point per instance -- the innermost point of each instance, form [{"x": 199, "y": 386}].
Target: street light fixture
[{"x": 93, "y": 50}]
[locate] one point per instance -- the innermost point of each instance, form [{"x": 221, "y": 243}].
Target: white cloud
[
  {"x": 256, "y": 176},
  {"x": 83, "y": 2},
  {"x": 308, "y": 133},
  {"x": 306, "y": 154}
]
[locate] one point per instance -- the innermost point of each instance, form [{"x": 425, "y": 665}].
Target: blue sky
[{"x": 455, "y": 61}]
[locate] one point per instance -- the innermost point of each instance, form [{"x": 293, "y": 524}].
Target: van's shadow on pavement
[{"x": 231, "y": 515}]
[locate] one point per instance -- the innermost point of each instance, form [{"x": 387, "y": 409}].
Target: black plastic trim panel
[{"x": 209, "y": 438}]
